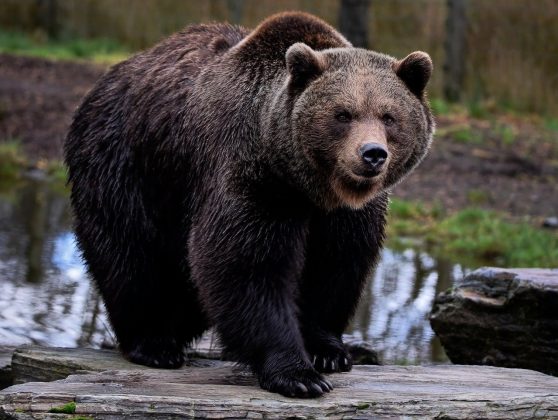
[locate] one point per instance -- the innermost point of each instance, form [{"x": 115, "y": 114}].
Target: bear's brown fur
[{"x": 239, "y": 179}]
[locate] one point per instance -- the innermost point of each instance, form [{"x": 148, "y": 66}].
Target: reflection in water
[
  {"x": 46, "y": 297},
  {"x": 393, "y": 313}
]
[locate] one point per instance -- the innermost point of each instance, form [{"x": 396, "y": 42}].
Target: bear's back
[{"x": 141, "y": 99}]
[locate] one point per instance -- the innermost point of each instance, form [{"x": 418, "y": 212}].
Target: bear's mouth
[{"x": 355, "y": 190}]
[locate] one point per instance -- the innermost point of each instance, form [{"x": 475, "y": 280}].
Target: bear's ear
[
  {"x": 415, "y": 71},
  {"x": 304, "y": 64}
]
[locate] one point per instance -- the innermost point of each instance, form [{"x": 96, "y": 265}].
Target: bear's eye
[
  {"x": 344, "y": 116},
  {"x": 388, "y": 120}
]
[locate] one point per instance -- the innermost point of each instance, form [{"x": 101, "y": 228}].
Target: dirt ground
[{"x": 518, "y": 175}]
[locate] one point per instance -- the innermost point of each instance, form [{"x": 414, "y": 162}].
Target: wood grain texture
[{"x": 223, "y": 391}]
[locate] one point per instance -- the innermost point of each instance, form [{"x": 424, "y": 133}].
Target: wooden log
[
  {"x": 220, "y": 392},
  {"x": 446, "y": 391},
  {"x": 501, "y": 317},
  {"x": 209, "y": 347},
  {"x": 45, "y": 364}
]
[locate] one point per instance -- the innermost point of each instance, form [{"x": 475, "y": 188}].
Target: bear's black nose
[{"x": 374, "y": 155}]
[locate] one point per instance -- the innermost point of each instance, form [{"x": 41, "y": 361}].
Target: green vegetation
[
  {"x": 69, "y": 408},
  {"x": 11, "y": 161},
  {"x": 477, "y": 197},
  {"x": 551, "y": 124},
  {"x": 472, "y": 234},
  {"x": 439, "y": 106},
  {"x": 506, "y": 132},
  {"x": 98, "y": 50}
]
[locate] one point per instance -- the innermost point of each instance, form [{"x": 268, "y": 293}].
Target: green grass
[
  {"x": 13, "y": 164},
  {"x": 69, "y": 408},
  {"x": 439, "y": 106},
  {"x": 461, "y": 133},
  {"x": 551, "y": 124},
  {"x": 506, "y": 132},
  {"x": 11, "y": 161},
  {"x": 478, "y": 197},
  {"x": 473, "y": 234},
  {"x": 97, "y": 50}
]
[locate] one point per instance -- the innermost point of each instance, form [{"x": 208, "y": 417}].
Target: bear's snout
[{"x": 374, "y": 156}]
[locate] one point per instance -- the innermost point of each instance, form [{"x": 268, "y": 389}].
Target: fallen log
[
  {"x": 501, "y": 317},
  {"x": 223, "y": 391}
]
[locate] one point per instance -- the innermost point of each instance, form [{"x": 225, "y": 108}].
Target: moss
[
  {"x": 362, "y": 406},
  {"x": 69, "y": 408}
]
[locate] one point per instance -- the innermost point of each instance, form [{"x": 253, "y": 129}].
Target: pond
[{"x": 46, "y": 297}]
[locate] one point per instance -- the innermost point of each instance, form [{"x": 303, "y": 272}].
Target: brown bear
[{"x": 239, "y": 180}]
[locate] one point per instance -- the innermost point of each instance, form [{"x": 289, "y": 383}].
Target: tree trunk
[
  {"x": 48, "y": 17},
  {"x": 455, "y": 48},
  {"x": 353, "y": 21}
]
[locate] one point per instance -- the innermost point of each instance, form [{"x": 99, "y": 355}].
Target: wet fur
[{"x": 196, "y": 206}]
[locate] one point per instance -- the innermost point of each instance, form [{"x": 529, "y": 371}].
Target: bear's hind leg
[
  {"x": 152, "y": 305},
  {"x": 173, "y": 324}
]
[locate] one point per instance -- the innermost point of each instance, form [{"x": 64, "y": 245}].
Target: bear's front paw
[
  {"x": 164, "y": 353},
  {"x": 304, "y": 383}
]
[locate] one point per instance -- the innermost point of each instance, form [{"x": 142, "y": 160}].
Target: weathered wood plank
[
  {"x": 45, "y": 364},
  {"x": 448, "y": 391}
]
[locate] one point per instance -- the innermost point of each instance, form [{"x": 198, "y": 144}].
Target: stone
[
  {"x": 550, "y": 222},
  {"x": 501, "y": 317}
]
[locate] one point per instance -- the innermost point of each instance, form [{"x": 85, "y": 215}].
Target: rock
[
  {"x": 6, "y": 378},
  {"x": 550, "y": 222},
  {"x": 501, "y": 317}
]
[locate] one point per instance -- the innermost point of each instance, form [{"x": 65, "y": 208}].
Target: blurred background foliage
[{"x": 504, "y": 51}]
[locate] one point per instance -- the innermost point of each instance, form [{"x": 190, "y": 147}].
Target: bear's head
[{"x": 359, "y": 121}]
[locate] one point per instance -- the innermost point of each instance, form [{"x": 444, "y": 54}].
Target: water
[{"x": 46, "y": 297}]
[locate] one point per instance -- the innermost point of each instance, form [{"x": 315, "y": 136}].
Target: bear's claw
[
  {"x": 301, "y": 384},
  {"x": 332, "y": 362},
  {"x": 328, "y": 353}
]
